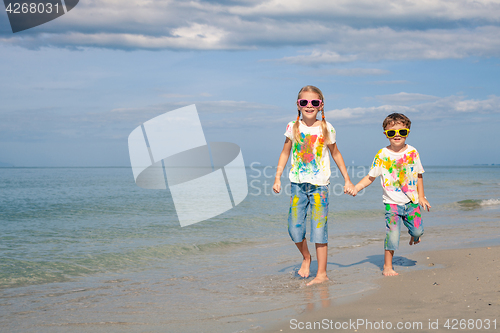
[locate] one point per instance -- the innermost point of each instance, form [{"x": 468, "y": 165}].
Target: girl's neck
[{"x": 310, "y": 122}]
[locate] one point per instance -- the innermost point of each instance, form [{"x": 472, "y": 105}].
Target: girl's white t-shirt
[
  {"x": 310, "y": 158},
  {"x": 398, "y": 174}
]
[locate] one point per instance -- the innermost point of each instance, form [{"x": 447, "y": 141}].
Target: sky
[{"x": 73, "y": 89}]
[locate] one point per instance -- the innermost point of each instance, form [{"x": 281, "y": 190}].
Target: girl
[{"x": 308, "y": 139}]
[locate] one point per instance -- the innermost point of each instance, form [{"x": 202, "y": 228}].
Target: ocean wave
[
  {"x": 21, "y": 272},
  {"x": 18, "y": 273},
  {"x": 490, "y": 202},
  {"x": 477, "y": 203}
]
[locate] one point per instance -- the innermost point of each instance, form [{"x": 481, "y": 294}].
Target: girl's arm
[
  {"x": 421, "y": 196},
  {"x": 339, "y": 160},
  {"x": 285, "y": 153}
]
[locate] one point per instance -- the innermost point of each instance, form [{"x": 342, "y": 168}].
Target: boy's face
[{"x": 397, "y": 142}]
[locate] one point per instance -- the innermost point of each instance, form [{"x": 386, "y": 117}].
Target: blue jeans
[
  {"x": 412, "y": 219},
  {"x": 305, "y": 195}
]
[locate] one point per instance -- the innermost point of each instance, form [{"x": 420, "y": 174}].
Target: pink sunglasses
[{"x": 314, "y": 102}]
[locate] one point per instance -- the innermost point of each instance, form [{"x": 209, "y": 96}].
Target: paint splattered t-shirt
[
  {"x": 398, "y": 174},
  {"x": 310, "y": 158}
]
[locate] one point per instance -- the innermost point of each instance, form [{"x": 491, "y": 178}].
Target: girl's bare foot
[
  {"x": 388, "y": 271},
  {"x": 304, "y": 268},
  {"x": 318, "y": 279},
  {"x": 413, "y": 241}
]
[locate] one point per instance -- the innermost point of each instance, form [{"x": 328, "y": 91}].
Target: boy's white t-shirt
[
  {"x": 310, "y": 158},
  {"x": 398, "y": 174}
]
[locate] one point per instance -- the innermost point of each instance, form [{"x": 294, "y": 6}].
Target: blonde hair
[{"x": 324, "y": 127}]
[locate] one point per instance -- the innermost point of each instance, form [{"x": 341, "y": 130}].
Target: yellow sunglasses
[{"x": 403, "y": 132}]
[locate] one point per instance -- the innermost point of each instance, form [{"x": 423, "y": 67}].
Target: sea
[{"x": 87, "y": 250}]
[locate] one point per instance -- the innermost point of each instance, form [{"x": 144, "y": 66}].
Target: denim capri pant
[
  {"x": 307, "y": 197},
  {"x": 410, "y": 215}
]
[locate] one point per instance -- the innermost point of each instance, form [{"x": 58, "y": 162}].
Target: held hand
[
  {"x": 277, "y": 186},
  {"x": 425, "y": 204},
  {"x": 349, "y": 188},
  {"x": 354, "y": 191}
]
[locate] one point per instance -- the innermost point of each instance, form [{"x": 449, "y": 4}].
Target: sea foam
[{"x": 490, "y": 202}]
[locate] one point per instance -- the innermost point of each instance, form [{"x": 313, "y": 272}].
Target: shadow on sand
[{"x": 377, "y": 260}]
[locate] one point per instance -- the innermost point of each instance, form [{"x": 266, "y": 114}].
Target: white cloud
[
  {"x": 376, "y": 44},
  {"x": 199, "y": 37},
  {"x": 318, "y": 57},
  {"x": 490, "y": 105},
  {"x": 411, "y": 10},
  {"x": 331, "y": 31},
  {"x": 451, "y": 107}
]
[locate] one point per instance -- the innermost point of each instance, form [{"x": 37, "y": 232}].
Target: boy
[{"x": 400, "y": 171}]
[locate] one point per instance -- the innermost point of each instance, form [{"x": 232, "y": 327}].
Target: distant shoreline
[{"x": 493, "y": 164}]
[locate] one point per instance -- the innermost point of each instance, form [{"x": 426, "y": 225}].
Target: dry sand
[{"x": 460, "y": 287}]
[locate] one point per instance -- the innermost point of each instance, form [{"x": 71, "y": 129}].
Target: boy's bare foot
[
  {"x": 318, "y": 279},
  {"x": 388, "y": 271},
  {"x": 304, "y": 268},
  {"x": 412, "y": 241}
]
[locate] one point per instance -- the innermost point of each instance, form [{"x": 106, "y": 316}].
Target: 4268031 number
[
  {"x": 32, "y": 8},
  {"x": 471, "y": 324}
]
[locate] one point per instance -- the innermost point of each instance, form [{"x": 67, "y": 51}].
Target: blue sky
[{"x": 73, "y": 89}]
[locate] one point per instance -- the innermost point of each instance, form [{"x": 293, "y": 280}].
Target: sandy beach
[{"x": 458, "y": 290}]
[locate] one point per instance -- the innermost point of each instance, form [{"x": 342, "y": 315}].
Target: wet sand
[{"x": 457, "y": 290}]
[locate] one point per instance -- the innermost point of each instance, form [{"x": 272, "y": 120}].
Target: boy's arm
[
  {"x": 421, "y": 196},
  {"x": 285, "y": 154},
  {"x": 365, "y": 182},
  {"x": 339, "y": 160}
]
